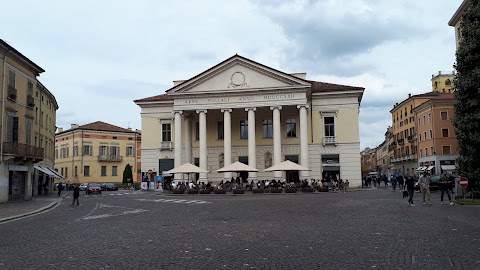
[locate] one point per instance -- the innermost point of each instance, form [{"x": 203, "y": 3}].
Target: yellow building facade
[
  {"x": 28, "y": 116},
  {"x": 443, "y": 82},
  {"x": 241, "y": 110},
  {"x": 97, "y": 153}
]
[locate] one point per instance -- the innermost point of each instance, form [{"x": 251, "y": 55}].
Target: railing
[
  {"x": 401, "y": 141},
  {"x": 30, "y": 101},
  {"x": 23, "y": 150},
  {"x": 166, "y": 145},
  {"x": 12, "y": 92},
  {"x": 394, "y": 143},
  {"x": 412, "y": 138},
  {"x": 109, "y": 158},
  {"x": 329, "y": 140}
]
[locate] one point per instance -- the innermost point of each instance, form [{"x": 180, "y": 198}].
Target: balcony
[
  {"x": 12, "y": 92},
  {"x": 394, "y": 143},
  {"x": 23, "y": 151},
  {"x": 30, "y": 101},
  {"x": 412, "y": 138},
  {"x": 113, "y": 158},
  {"x": 401, "y": 141},
  {"x": 329, "y": 140},
  {"x": 166, "y": 145}
]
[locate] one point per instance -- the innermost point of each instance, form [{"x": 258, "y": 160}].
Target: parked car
[
  {"x": 83, "y": 186},
  {"x": 109, "y": 187},
  {"x": 93, "y": 188},
  {"x": 434, "y": 180}
]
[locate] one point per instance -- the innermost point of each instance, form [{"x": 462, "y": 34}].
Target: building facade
[
  {"x": 443, "y": 82},
  {"x": 97, "y": 153},
  {"x": 437, "y": 143},
  {"x": 383, "y": 155},
  {"x": 241, "y": 110},
  {"x": 456, "y": 19},
  {"x": 26, "y": 132}
]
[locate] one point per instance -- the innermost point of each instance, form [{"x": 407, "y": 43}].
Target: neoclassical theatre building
[{"x": 241, "y": 110}]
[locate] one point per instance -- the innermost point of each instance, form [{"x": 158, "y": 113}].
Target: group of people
[{"x": 446, "y": 185}]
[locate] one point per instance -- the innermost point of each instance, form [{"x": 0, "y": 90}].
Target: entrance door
[
  {"x": 243, "y": 175},
  {"x": 16, "y": 186},
  {"x": 292, "y": 176}
]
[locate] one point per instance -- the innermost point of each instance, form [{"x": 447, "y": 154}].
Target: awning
[
  {"x": 55, "y": 173},
  {"x": 42, "y": 169},
  {"x": 430, "y": 168},
  {"x": 448, "y": 167},
  {"x": 419, "y": 169}
]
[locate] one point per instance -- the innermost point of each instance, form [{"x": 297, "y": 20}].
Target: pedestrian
[
  {"x": 76, "y": 194},
  {"x": 424, "y": 183},
  {"x": 347, "y": 185},
  {"x": 446, "y": 186},
  {"x": 60, "y": 188},
  {"x": 410, "y": 183},
  {"x": 394, "y": 183},
  {"x": 45, "y": 188}
]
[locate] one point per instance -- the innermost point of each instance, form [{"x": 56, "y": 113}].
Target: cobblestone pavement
[{"x": 373, "y": 229}]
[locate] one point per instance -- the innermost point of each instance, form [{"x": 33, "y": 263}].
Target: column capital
[
  {"x": 178, "y": 111},
  {"x": 225, "y": 110},
  {"x": 250, "y": 108},
  {"x": 303, "y": 105},
  {"x": 276, "y": 107},
  {"x": 201, "y": 111}
]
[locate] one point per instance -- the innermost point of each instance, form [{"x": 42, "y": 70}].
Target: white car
[{"x": 83, "y": 186}]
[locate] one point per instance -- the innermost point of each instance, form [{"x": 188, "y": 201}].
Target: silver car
[{"x": 83, "y": 186}]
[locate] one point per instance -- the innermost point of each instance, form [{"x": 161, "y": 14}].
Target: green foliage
[
  {"x": 467, "y": 92},
  {"x": 127, "y": 174}
]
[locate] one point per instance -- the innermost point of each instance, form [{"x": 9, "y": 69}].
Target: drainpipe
[{"x": 3, "y": 105}]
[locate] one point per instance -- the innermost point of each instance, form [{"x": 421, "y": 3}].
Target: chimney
[
  {"x": 74, "y": 126},
  {"x": 175, "y": 83},
  {"x": 409, "y": 95},
  {"x": 301, "y": 75},
  {"x": 60, "y": 129},
  {"x": 129, "y": 128}
]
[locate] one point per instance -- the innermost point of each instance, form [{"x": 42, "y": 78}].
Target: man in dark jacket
[
  {"x": 76, "y": 194},
  {"x": 60, "y": 188},
  {"x": 446, "y": 184},
  {"x": 410, "y": 183}
]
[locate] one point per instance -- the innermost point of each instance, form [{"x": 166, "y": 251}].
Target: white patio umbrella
[
  {"x": 188, "y": 169},
  {"x": 287, "y": 165},
  {"x": 237, "y": 167}
]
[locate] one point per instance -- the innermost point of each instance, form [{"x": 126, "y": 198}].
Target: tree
[
  {"x": 127, "y": 174},
  {"x": 467, "y": 92}
]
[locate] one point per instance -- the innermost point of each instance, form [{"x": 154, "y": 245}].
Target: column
[
  {"x": 252, "y": 155},
  {"x": 227, "y": 141},
  {"x": 303, "y": 140},
  {"x": 277, "y": 140},
  {"x": 178, "y": 143},
  {"x": 188, "y": 139},
  {"x": 203, "y": 143},
  {"x": 29, "y": 182}
]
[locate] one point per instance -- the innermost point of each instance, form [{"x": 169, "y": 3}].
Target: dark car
[
  {"x": 93, "y": 188},
  {"x": 109, "y": 187},
  {"x": 434, "y": 182}
]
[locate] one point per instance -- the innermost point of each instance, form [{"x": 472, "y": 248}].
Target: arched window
[
  {"x": 436, "y": 85},
  {"x": 448, "y": 82}
]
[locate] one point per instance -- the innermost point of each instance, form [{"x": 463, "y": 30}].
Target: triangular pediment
[{"x": 238, "y": 74}]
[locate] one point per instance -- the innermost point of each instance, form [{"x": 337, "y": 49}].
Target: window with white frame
[
  {"x": 129, "y": 151},
  {"x": 86, "y": 170},
  {"x": 11, "y": 78},
  {"x": 103, "y": 150},
  {"x": 329, "y": 123},
  {"x": 291, "y": 127},
  {"x": 244, "y": 129},
  {"x": 166, "y": 132},
  {"x": 87, "y": 150},
  {"x": 446, "y": 149},
  {"x": 444, "y": 115},
  {"x": 114, "y": 170},
  {"x": 103, "y": 171},
  {"x": 267, "y": 127},
  {"x": 445, "y": 132}
]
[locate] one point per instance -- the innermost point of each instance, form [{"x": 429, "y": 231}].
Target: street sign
[{"x": 463, "y": 182}]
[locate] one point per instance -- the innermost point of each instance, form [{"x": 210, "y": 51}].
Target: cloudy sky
[{"x": 101, "y": 55}]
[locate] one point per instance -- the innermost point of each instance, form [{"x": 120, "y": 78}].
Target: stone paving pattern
[{"x": 373, "y": 229}]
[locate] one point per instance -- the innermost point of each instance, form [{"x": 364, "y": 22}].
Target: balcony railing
[
  {"x": 30, "y": 101},
  {"x": 166, "y": 145},
  {"x": 329, "y": 140},
  {"x": 401, "y": 141},
  {"x": 412, "y": 138},
  {"x": 20, "y": 150},
  {"x": 109, "y": 158},
  {"x": 394, "y": 143},
  {"x": 12, "y": 92}
]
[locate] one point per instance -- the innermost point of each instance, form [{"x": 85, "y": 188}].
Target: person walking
[
  {"x": 76, "y": 194},
  {"x": 424, "y": 183},
  {"x": 60, "y": 188},
  {"x": 446, "y": 186},
  {"x": 410, "y": 183}
]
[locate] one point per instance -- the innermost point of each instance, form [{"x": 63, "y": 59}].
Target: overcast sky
[{"x": 99, "y": 56}]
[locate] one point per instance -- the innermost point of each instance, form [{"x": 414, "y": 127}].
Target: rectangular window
[
  {"x": 431, "y": 134},
  {"x": 30, "y": 88},
  {"x": 56, "y": 154},
  {"x": 220, "y": 130},
  {"x": 291, "y": 127},
  {"x": 66, "y": 172},
  {"x": 444, "y": 115},
  {"x": 115, "y": 151},
  {"x": 103, "y": 171},
  {"x": 28, "y": 125},
  {"x": 446, "y": 149},
  {"x": 166, "y": 132},
  {"x": 75, "y": 151},
  {"x": 12, "y": 128},
  {"x": 425, "y": 135},
  {"x": 244, "y": 129},
  {"x": 87, "y": 150},
  {"x": 426, "y": 151},
  {"x": 41, "y": 119},
  {"x": 424, "y": 119},
  {"x": 76, "y": 171},
  {"x": 329, "y": 126},
  {"x": 62, "y": 171},
  {"x": 114, "y": 170},
  {"x": 421, "y": 152},
  {"x": 11, "y": 78},
  {"x": 267, "y": 126},
  {"x": 197, "y": 131},
  {"x": 420, "y": 137},
  {"x": 431, "y": 150},
  {"x": 444, "y": 132},
  {"x": 129, "y": 151},
  {"x": 103, "y": 150},
  {"x": 86, "y": 170},
  {"x": 429, "y": 117}
]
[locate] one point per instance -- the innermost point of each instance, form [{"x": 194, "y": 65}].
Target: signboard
[
  {"x": 144, "y": 185},
  {"x": 159, "y": 178},
  {"x": 463, "y": 182}
]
